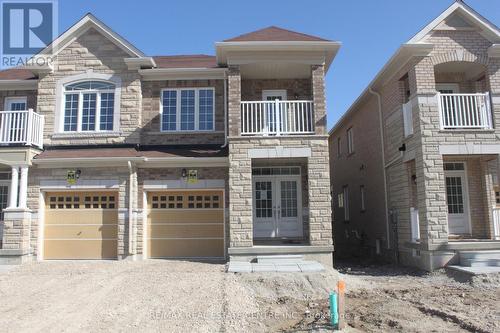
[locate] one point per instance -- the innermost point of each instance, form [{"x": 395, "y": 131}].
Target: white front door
[
  {"x": 457, "y": 198},
  {"x": 277, "y": 207}
]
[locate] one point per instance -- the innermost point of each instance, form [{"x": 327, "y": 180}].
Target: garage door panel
[
  {"x": 176, "y": 231},
  {"x": 81, "y": 231},
  {"x": 186, "y": 224},
  {"x": 188, "y": 216},
  {"x": 186, "y": 248},
  {"x": 81, "y": 216},
  {"x": 81, "y": 225},
  {"x": 80, "y": 249}
]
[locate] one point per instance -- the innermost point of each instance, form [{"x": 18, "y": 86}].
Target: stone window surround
[{"x": 88, "y": 76}]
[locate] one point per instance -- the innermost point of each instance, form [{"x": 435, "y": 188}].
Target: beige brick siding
[
  {"x": 92, "y": 51},
  {"x": 240, "y": 187},
  {"x": 151, "y": 118}
]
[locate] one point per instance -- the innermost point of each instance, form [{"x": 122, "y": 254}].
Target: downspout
[
  {"x": 225, "y": 110},
  {"x": 381, "y": 124},
  {"x": 130, "y": 209}
]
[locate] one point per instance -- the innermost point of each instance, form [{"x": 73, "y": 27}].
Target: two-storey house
[
  {"x": 107, "y": 153},
  {"x": 415, "y": 159}
]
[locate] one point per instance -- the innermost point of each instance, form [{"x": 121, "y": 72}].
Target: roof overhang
[
  {"x": 152, "y": 162},
  {"x": 155, "y": 74},
  {"x": 140, "y": 63},
  {"x": 18, "y": 84},
  {"x": 404, "y": 54},
  {"x": 314, "y": 53}
]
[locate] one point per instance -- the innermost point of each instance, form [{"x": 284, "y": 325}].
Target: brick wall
[{"x": 151, "y": 118}]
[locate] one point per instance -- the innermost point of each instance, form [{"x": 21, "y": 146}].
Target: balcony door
[
  {"x": 272, "y": 95},
  {"x": 277, "y": 207},
  {"x": 457, "y": 198},
  {"x": 448, "y": 88}
]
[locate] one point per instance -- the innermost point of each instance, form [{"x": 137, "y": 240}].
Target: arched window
[{"x": 89, "y": 106}]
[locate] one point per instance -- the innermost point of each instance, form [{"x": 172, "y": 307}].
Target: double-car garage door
[
  {"x": 81, "y": 225},
  {"x": 180, "y": 224},
  {"x": 185, "y": 224}
]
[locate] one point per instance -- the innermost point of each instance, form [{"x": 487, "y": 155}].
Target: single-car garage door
[
  {"x": 185, "y": 224},
  {"x": 81, "y": 225}
]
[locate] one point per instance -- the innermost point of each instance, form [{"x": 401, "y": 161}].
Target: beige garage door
[
  {"x": 186, "y": 224},
  {"x": 81, "y": 225}
]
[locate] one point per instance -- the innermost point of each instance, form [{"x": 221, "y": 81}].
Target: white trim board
[
  {"x": 81, "y": 184},
  {"x": 279, "y": 151},
  {"x": 181, "y": 184},
  {"x": 469, "y": 149}
]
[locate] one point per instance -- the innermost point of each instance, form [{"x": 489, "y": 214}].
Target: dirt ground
[{"x": 176, "y": 296}]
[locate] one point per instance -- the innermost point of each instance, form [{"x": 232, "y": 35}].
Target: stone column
[
  {"x": 318, "y": 92},
  {"x": 14, "y": 184},
  {"x": 234, "y": 100}
]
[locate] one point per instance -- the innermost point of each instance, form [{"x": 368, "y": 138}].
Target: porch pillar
[
  {"x": 234, "y": 101},
  {"x": 14, "y": 184},
  {"x": 23, "y": 187},
  {"x": 318, "y": 93}
]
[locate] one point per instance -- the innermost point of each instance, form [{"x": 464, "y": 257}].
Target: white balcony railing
[
  {"x": 496, "y": 223},
  {"x": 277, "y": 117},
  {"x": 471, "y": 111},
  {"x": 21, "y": 128}
]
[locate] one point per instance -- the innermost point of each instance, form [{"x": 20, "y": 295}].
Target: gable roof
[
  {"x": 80, "y": 27},
  {"x": 275, "y": 34},
  {"x": 417, "y": 46},
  {"x": 488, "y": 29},
  {"x": 186, "y": 61}
]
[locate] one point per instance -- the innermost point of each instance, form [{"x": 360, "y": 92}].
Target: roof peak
[{"x": 275, "y": 33}]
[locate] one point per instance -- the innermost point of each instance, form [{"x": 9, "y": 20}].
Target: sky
[{"x": 370, "y": 30}]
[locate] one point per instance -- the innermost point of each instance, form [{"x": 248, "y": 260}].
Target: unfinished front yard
[{"x": 158, "y": 295}]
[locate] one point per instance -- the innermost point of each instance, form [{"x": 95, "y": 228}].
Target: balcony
[
  {"x": 276, "y": 118},
  {"x": 465, "y": 111},
  {"x": 21, "y": 128}
]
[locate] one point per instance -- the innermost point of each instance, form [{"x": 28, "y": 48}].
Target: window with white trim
[
  {"x": 188, "y": 109},
  {"x": 339, "y": 147},
  {"x": 89, "y": 106},
  {"x": 16, "y": 103},
  {"x": 350, "y": 141}
]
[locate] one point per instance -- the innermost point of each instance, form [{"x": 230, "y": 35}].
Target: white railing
[
  {"x": 277, "y": 117},
  {"x": 496, "y": 223},
  {"x": 415, "y": 224},
  {"x": 465, "y": 111},
  {"x": 21, "y": 127}
]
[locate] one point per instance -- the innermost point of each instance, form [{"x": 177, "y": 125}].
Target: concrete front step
[
  {"x": 492, "y": 254},
  {"x": 248, "y": 267},
  {"x": 280, "y": 259},
  {"x": 480, "y": 262}
]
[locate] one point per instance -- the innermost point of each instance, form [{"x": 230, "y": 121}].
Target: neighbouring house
[
  {"x": 414, "y": 161},
  {"x": 109, "y": 154}
]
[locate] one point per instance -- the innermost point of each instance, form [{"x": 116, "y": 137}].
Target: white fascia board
[
  {"x": 182, "y": 74},
  {"x": 86, "y": 162},
  {"x": 399, "y": 59},
  {"x": 330, "y": 48},
  {"x": 159, "y": 162},
  {"x": 81, "y": 27},
  {"x": 18, "y": 84},
  {"x": 138, "y": 63},
  {"x": 489, "y": 28}
]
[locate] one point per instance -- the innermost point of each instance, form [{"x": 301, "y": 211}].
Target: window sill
[
  {"x": 84, "y": 135},
  {"x": 182, "y": 132}
]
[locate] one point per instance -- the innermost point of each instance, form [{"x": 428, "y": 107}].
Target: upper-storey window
[
  {"x": 89, "y": 106},
  {"x": 189, "y": 109},
  {"x": 350, "y": 141}
]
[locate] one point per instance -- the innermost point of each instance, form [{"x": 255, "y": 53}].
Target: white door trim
[
  {"x": 276, "y": 198},
  {"x": 448, "y": 86},
  {"x": 276, "y": 92},
  {"x": 465, "y": 187}
]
